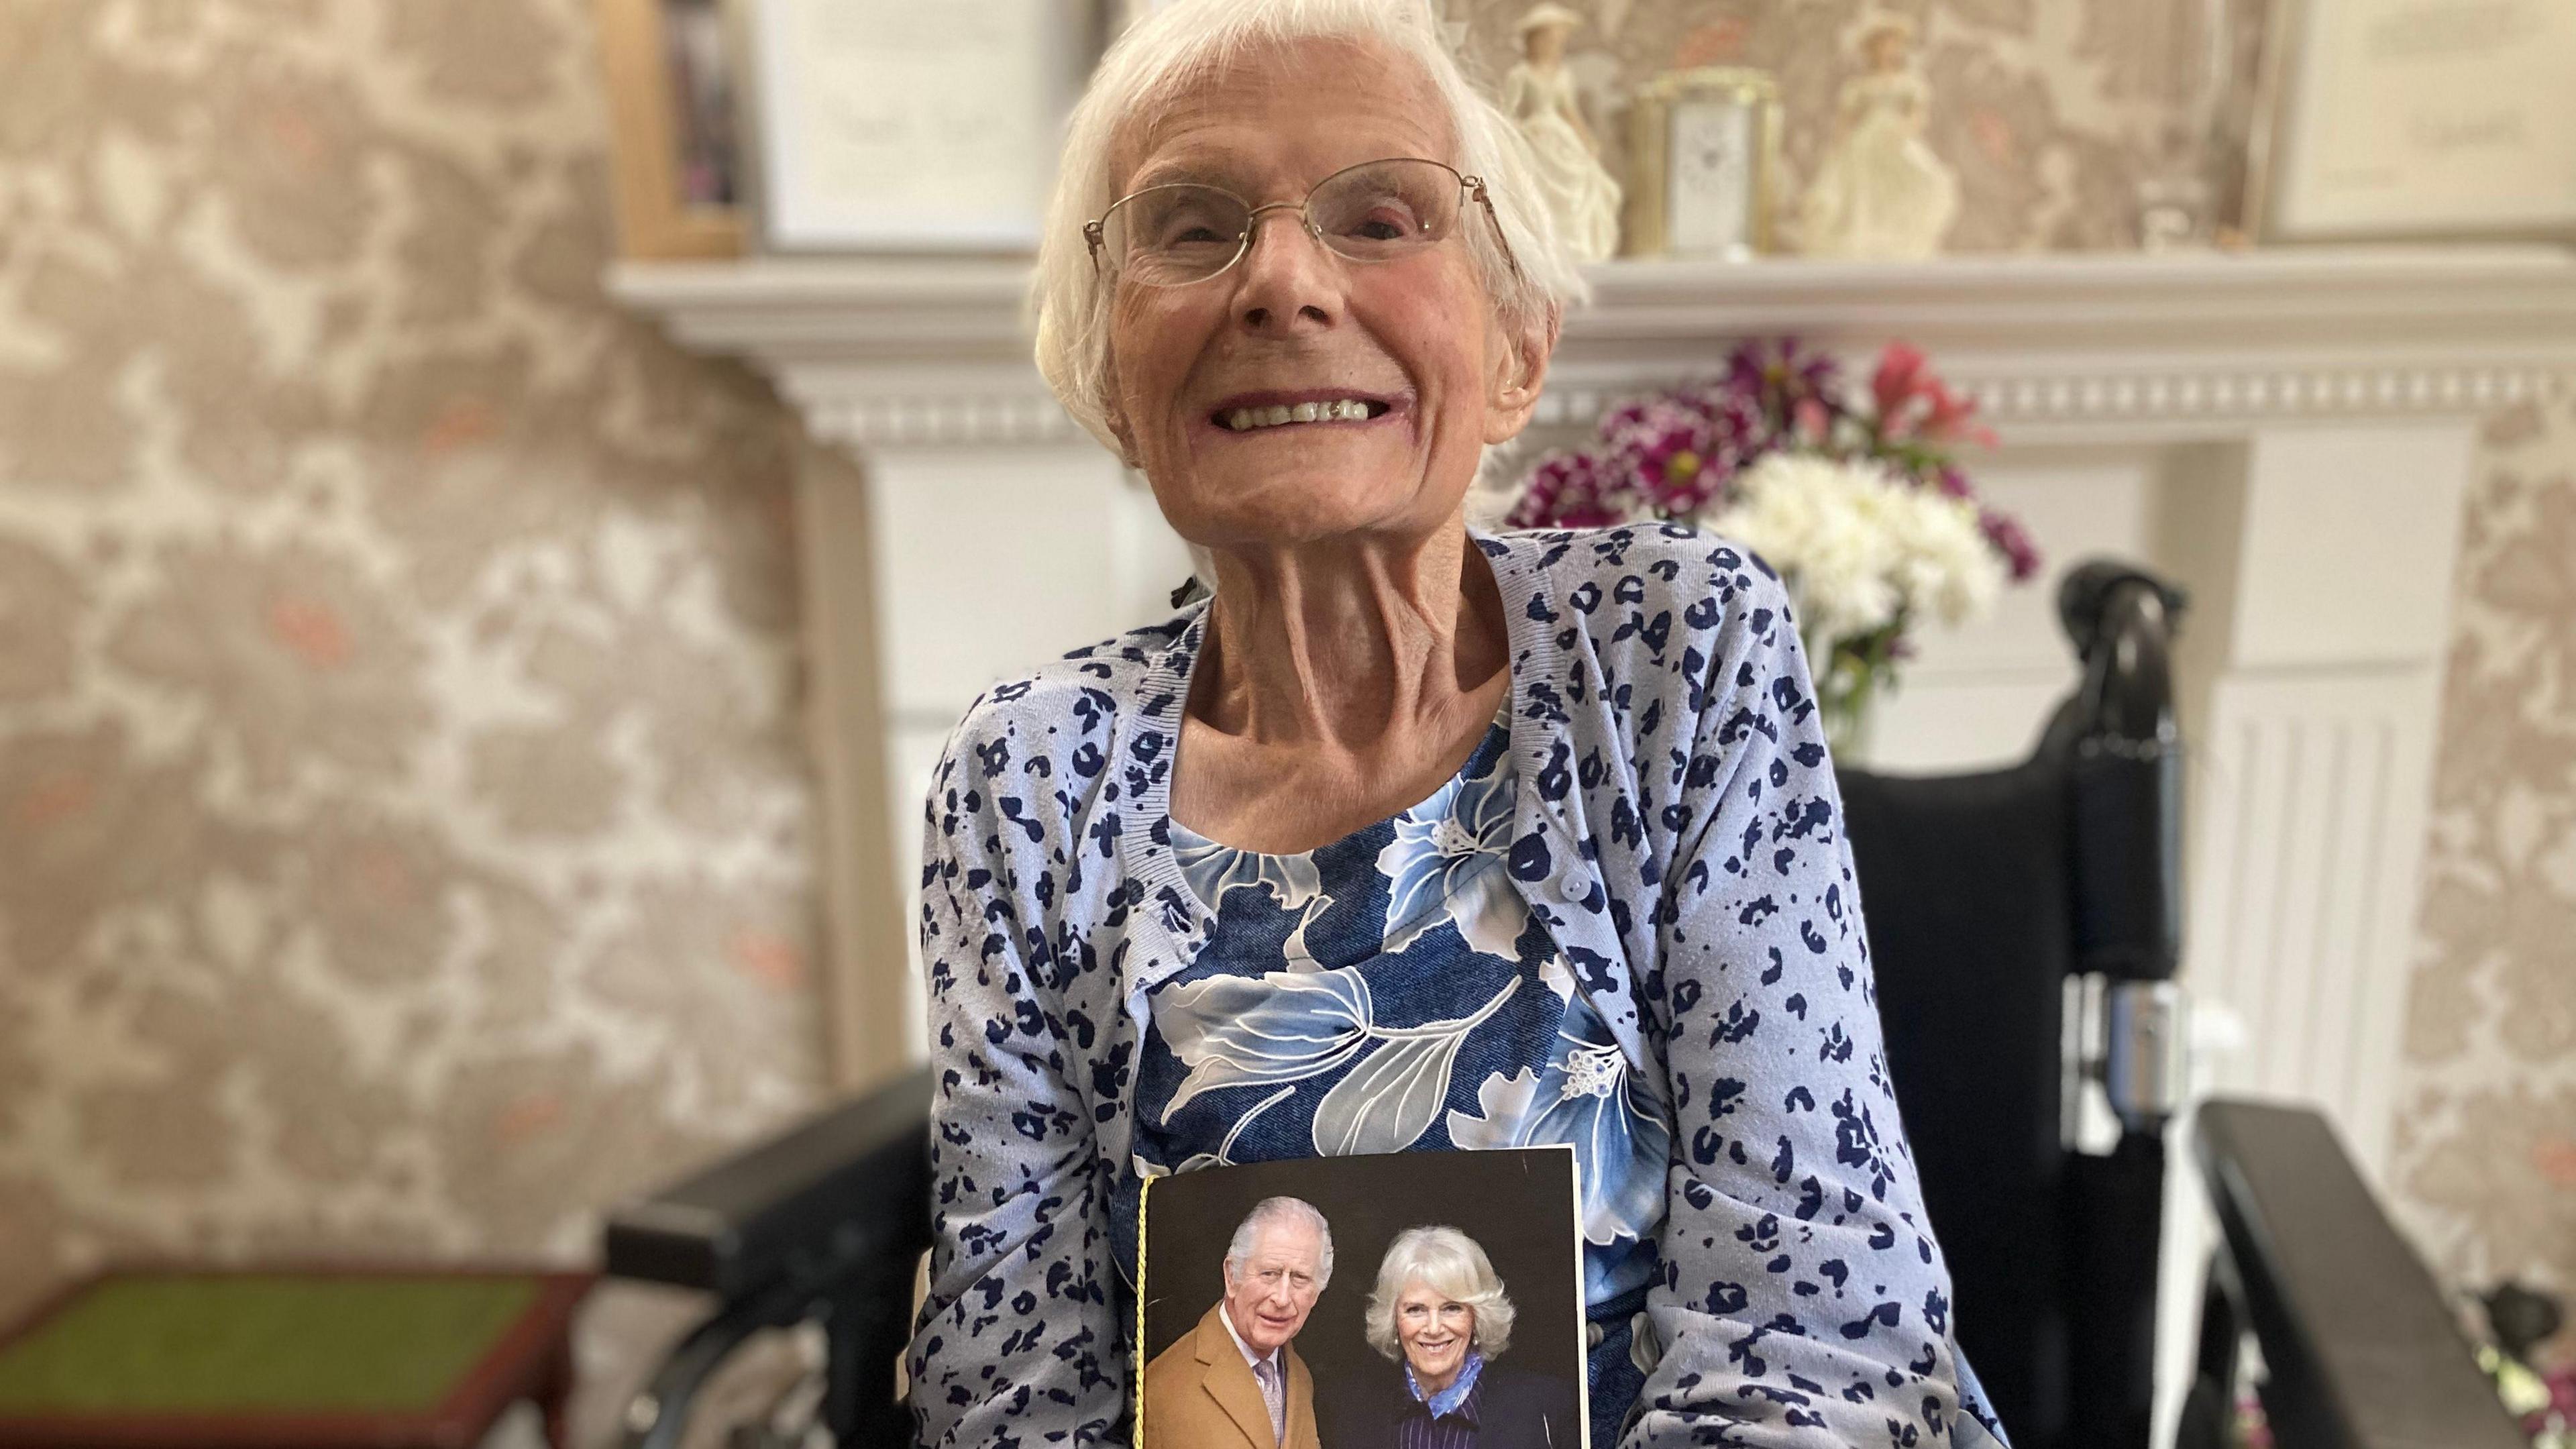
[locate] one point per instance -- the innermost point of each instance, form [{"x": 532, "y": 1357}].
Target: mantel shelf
[{"x": 889, "y": 349}]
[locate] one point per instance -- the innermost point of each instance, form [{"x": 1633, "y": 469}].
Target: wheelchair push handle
[{"x": 2122, "y": 621}]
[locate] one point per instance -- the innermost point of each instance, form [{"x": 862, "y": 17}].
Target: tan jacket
[{"x": 1200, "y": 1394}]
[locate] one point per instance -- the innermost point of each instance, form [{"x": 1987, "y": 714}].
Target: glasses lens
[
  {"x": 1386, "y": 209},
  {"x": 1166, "y": 235}
]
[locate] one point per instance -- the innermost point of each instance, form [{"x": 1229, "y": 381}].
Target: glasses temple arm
[{"x": 1476, "y": 189}]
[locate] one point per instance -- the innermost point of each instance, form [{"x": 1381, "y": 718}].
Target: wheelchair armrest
[
  {"x": 849, "y": 1185},
  {"x": 2361, "y": 1348}
]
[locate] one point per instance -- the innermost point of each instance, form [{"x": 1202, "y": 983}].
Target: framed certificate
[
  {"x": 2427, "y": 119},
  {"x": 903, "y": 125}
]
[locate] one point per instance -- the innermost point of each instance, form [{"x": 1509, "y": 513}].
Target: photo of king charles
[{"x": 1236, "y": 1381}]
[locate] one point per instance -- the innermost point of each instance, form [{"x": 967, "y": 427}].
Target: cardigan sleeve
[
  {"x": 1803, "y": 1300},
  {"x": 1016, "y": 1343}
]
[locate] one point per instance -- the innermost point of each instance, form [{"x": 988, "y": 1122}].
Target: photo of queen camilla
[{"x": 1442, "y": 1319}]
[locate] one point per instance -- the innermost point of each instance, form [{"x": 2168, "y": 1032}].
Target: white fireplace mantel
[
  {"x": 908, "y": 351},
  {"x": 2289, "y": 433}
]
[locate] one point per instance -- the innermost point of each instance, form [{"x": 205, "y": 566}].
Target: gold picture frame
[
  {"x": 1704, "y": 165},
  {"x": 657, "y": 220}
]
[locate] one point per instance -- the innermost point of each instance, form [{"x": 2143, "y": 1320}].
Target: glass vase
[{"x": 1849, "y": 718}]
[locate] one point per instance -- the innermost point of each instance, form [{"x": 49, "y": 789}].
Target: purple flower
[
  {"x": 1675, "y": 454},
  {"x": 1777, "y": 375},
  {"x": 1671, "y": 447},
  {"x": 1566, "y": 490},
  {"x": 1779, "y": 367},
  {"x": 2012, "y": 541}
]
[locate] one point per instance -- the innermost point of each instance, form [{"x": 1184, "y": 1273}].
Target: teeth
[{"x": 1337, "y": 411}]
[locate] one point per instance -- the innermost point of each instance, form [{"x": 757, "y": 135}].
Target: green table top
[{"x": 255, "y": 1343}]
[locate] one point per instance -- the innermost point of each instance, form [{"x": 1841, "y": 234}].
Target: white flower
[
  {"x": 1441, "y": 848},
  {"x": 1616, "y": 1120},
  {"x": 1860, "y": 548},
  {"x": 1287, "y": 1026}
]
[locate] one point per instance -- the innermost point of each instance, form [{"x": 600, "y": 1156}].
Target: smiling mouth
[{"x": 1280, "y": 415}]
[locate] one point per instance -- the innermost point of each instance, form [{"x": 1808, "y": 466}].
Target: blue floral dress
[
  {"x": 1392, "y": 992},
  {"x": 1677, "y": 832}
]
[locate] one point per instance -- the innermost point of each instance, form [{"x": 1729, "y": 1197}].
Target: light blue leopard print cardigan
[{"x": 1683, "y": 841}]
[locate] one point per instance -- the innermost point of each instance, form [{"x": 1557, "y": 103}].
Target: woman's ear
[
  {"x": 1520, "y": 374},
  {"x": 1117, "y": 421},
  {"x": 1113, "y": 414}
]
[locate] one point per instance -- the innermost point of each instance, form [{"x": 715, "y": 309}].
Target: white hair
[
  {"x": 1451, "y": 1264},
  {"x": 1160, "y": 56},
  {"x": 1274, "y": 1210}
]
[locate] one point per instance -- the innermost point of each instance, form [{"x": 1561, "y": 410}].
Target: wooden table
[{"x": 312, "y": 1358}]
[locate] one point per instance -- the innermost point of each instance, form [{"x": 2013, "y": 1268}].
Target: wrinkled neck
[{"x": 1346, "y": 643}]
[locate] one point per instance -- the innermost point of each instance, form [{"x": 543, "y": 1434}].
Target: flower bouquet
[{"x": 1854, "y": 499}]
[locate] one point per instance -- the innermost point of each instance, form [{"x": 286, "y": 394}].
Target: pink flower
[
  {"x": 1913, "y": 404},
  {"x": 1951, "y": 416},
  {"x": 1898, "y": 378},
  {"x": 1813, "y": 421}
]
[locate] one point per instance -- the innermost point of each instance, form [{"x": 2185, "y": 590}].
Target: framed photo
[
  {"x": 1703, "y": 151},
  {"x": 2416, "y": 119},
  {"x": 901, "y": 125},
  {"x": 1352, "y": 1277},
  {"x": 675, "y": 154}
]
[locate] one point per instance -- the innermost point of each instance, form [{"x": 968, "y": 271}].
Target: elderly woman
[
  {"x": 1412, "y": 836},
  {"x": 1440, "y": 1314}
]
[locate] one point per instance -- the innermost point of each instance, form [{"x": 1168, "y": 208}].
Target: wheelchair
[{"x": 2025, "y": 924}]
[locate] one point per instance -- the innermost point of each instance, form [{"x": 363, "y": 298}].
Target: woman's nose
[{"x": 1291, "y": 282}]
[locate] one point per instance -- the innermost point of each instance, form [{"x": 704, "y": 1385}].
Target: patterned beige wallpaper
[
  {"x": 406, "y": 844},
  {"x": 406, "y": 841},
  {"x": 2486, "y": 1151}
]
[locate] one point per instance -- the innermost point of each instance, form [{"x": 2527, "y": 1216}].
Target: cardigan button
[
  {"x": 1592, "y": 1331},
  {"x": 1573, "y": 887}
]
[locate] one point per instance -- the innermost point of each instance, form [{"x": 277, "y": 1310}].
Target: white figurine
[
  {"x": 1538, "y": 94},
  {"x": 1881, "y": 193}
]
